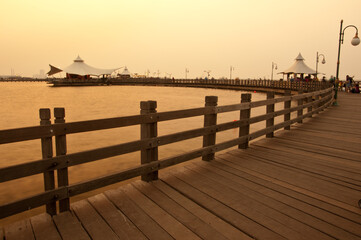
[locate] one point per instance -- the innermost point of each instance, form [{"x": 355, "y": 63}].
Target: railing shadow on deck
[{"x": 313, "y": 102}]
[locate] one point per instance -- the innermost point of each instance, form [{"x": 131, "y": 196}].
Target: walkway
[{"x": 301, "y": 184}]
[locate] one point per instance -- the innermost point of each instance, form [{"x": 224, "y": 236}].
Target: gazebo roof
[
  {"x": 78, "y": 67},
  {"x": 299, "y": 67},
  {"x": 125, "y": 71}
]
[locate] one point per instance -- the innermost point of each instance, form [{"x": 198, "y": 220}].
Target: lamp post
[
  {"x": 355, "y": 41},
  {"x": 187, "y": 71},
  {"x": 208, "y": 73},
  {"x": 317, "y": 60},
  {"x": 230, "y": 72},
  {"x": 274, "y": 66}
]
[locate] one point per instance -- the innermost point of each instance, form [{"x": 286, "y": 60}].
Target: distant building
[{"x": 41, "y": 75}]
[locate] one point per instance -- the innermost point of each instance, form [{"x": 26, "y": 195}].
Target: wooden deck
[{"x": 301, "y": 184}]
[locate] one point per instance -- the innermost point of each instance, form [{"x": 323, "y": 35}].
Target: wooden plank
[
  {"x": 342, "y": 136},
  {"x": 47, "y": 152},
  {"x": 218, "y": 224},
  {"x": 299, "y": 165},
  {"x": 296, "y": 188},
  {"x": 61, "y": 149},
  {"x": 314, "y": 165},
  {"x": 44, "y": 227},
  {"x": 254, "y": 210},
  {"x": 347, "y": 165},
  {"x": 120, "y": 224},
  {"x": 224, "y": 212},
  {"x": 323, "y": 221},
  {"x": 311, "y": 183},
  {"x": 69, "y": 227},
  {"x": 32, "y": 202},
  {"x": 270, "y": 110},
  {"x": 148, "y": 154},
  {"x": 327, "y": 151},
  {"x": 289, "y": 190},
  {"x": 1, "y": 233},
  {"x": 20, "y": 230},
  {"x": 322, "y": 141},
  {"x": 174, "y": 228},
  {"x": 210, "y": 120},
  {"x": 140, "y": 219},
  {"x": 24, "y": 134},
  {"x": 94, "y": 224},
  {"x": 197, "y": 226},
  {"x": 245, "y": 115}
]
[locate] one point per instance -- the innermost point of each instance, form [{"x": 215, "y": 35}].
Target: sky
[{"x": 172, "y": 35}]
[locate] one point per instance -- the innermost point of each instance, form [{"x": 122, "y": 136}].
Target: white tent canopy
[
  {"x": 78, "y": 67},
  {"x": 125, "y": 71},
  {"x": 299, "y": 67}
]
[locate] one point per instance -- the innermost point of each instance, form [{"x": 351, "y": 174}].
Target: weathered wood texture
[
  {"x": 148, "y": 145},
  {"x": 61, "y": 150},
  {"x": 47, "y": 152},
  {"x": 300, "y": 184},
  {"x": 210, "y": 120}
]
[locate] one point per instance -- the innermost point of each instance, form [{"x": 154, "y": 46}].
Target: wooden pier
[{"x": 299, "y": 184}]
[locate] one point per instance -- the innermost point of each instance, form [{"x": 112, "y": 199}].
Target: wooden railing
[
  {"x": 148, "y": 144},
  {"x": 209, "y": 83}
]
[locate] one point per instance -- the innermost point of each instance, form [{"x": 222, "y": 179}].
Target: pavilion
[
  {"x": 299, "y": 69},
  {"x": 125, "y": 74},
  {"x": 80, "y": 70}
]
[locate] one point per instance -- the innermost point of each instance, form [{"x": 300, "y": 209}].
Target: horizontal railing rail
[{"x": 314, "y": 102}]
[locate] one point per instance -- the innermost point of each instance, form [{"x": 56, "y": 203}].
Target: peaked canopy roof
[
  {"x": 125, "y": 71},
  {"x": 299, "y": 67},
  {"x": 78, "y": 67}
]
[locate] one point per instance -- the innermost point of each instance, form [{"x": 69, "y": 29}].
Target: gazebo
[
  {"x": 80, "y": 70},
  {"x": 125, "y": 74},
  {"x": 299, "y": 69}
]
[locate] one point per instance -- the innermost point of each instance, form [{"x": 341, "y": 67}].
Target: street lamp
[
  {"x": 208, "y": 73},
  {"x": 230, "y": 72},
  {"x": 317, "y": 60},
  {"x": 274, "y": 66},
  {"x": 187, "y": 71},
  {"x": 355, "y": 41}
]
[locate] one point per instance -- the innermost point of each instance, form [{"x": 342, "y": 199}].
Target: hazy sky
[{"x": 171, "y": 35}]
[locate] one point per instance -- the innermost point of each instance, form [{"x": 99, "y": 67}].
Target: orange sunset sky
[{"x": 172, "y": 35}]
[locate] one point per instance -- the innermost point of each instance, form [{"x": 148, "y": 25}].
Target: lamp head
[
  {"x": 323, "y": 61},
  {"x": 356, "y": 40}
]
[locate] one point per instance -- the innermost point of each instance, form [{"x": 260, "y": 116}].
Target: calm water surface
[{"x": 20, "y": 104}]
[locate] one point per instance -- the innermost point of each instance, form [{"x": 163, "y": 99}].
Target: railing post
[
  {"x": 300, "y": 112},
  {"x": 318, "y": 97},
  {"x": 149, "y": 130},
  {"x": 61, "y": 149},
  {"x": 270, "y": 109},
  {"x": 245, "y": 114},
  {"x": 210, "y": 120},
  {"x": 309, "y": 109},
  {"x": 47, "y": 152},
  {"x": 287, "y": 105}
]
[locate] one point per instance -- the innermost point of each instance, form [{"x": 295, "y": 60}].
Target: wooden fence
[
  {"x": 209, "y": 83},
  {"x": 148, "y": 144}
]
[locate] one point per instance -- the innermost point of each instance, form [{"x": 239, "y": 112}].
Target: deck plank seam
[
  {"x": 299, "y": 189},
  {"x": 308, "y": 172},
  {"x": 209, "y": 169}
]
